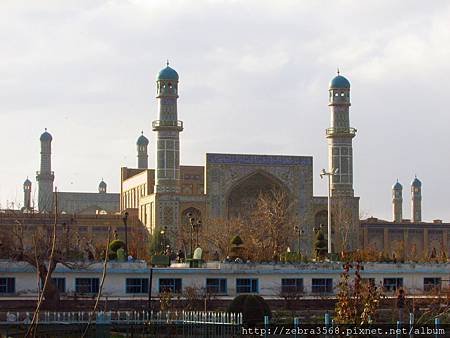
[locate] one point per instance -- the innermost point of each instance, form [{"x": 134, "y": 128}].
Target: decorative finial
[
  {"x": 167, "y": 63},
  {"x": 142, "y": 132},
  {"x": 338, "y": 71},
  {"x": 45, "y": 129},
  {"x": 397, "y": 180}
]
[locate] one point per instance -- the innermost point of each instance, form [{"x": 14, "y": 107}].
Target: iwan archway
[{"x": 242, "y": 197}]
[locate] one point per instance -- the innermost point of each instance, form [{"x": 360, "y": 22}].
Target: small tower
[
  {"x": 416, "y": 200},
  {"x": 102, "y": 187},
  {"x": 167, "y": 128},
  {"x": 397, "y": 202},
  {"x": 27, "y": 195},
  {"x": 142, "y": 155},
  {"x": 340, "y": 136},
  {"x": 45, "y": 176}
]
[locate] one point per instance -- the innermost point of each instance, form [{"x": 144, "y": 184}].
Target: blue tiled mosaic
[{"x": 258, "y": 159}]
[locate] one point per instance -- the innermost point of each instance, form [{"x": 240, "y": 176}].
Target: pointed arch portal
[{"x": 242, "y": 197}]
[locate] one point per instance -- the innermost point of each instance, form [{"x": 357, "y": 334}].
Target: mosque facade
[{"x": 228, "y": 184}]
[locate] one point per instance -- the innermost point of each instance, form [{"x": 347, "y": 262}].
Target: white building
[{"x": 131, "y": 279}]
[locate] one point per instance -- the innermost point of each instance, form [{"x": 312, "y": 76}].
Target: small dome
[
  {"x": 416, "y": 183},
  {"x": 142, "y": 140},
  {"x": 27, "y": 182},
  {"x": 397, "y": 186},
  {"x": 102, "y": 184},
  {"x": 339, "y": 82},
  {"x": 167, "y": 74},
  {"x": 46, "y": 136}
]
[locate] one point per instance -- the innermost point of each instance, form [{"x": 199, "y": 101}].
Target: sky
[{"x": 253, "y": 79}]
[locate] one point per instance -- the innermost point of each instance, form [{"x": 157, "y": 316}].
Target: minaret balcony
[
  {"x": 42, "y": 175},
  {"x": 167, "y": 125},
  {"x": 339, "y": 131}
]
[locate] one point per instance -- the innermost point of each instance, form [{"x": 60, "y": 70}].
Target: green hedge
[{"x": 252, "y": 307}]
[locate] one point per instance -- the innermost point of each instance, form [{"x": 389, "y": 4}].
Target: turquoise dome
[
  {"x": 339, "y": 82},
  {"x": 46, "y": 136},
  {"x": 167, "y": 74},
  {"x": 397, "y": 186},
  {"x": 416, "y": 183},
  {"x": 142, "y": 141}
]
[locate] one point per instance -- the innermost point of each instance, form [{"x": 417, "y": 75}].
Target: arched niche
[
  {"x": 321, "y": 217},
  {"x": 196, "y": 213},
  {"x": 242, "y": 196}
]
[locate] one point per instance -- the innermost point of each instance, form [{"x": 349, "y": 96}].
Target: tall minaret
[
  {"x": 142, "y": 155},
  {"x": 416, "y": 200},
  {"x": 340, "y": 135},
  {"x": 167, "y": 129},
  {"x": 27, "y": 195},
  {"x": 45, "y": 176},
  {"x": 397, "y": 202}
]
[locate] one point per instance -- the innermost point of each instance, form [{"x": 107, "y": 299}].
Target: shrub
[
  {"x": 291, "y": 257},
  {"x": 236, "y": 241},
  {"x": 116, "y": 245},
  {"x": 237, "y": 249},
  {"x": 252, "y": 307},
  {"x": 320, "y": 245}
]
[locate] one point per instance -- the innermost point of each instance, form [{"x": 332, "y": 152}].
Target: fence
[
  {"x": 151, "y": 323},
  {"x": 330, "y": 329},
  {"x": 173, "y": 324}
]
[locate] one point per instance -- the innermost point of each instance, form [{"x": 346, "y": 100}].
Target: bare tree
[
  {"x": 343, "y": 220},
  {"x": 271, "y": 224},
  {"x": 100, "y": 290},
  {"x": 58, "y": 241},
  {"x": 217, "y": 234},
  {"x": 357, "y": 300},
  {"x": 399, "y": 250},
  {"x": 138, "y": 243},
  {"x": 266, "y": 233}
]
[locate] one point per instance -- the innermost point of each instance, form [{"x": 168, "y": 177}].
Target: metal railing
[
  {"x": 50, "y": 173},
  {"x": 167, "y": 124},
  {"x": 174, "y": 323},
  {"x": 334, "y": 131},
  {"x": 125, "y": 317}
]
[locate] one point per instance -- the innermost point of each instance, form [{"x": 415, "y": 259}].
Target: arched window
[{"x": 321, "y": 217}]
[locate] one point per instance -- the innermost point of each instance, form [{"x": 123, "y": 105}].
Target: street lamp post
[
  {"x": 299, "y": 231},
  {"x": 195, "y": 225},
  {"x": 191, "y": 222},
  {"x": 125, "y": 223},
  {"x": 150, "y": 288},
  {"x": 163, "y": 240},
  {"x": 330, "y": 173}
]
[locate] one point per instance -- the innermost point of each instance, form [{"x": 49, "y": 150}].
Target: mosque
[
  {"x": 227, "y": 185},
  {"x": 68, "y": 202}
]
